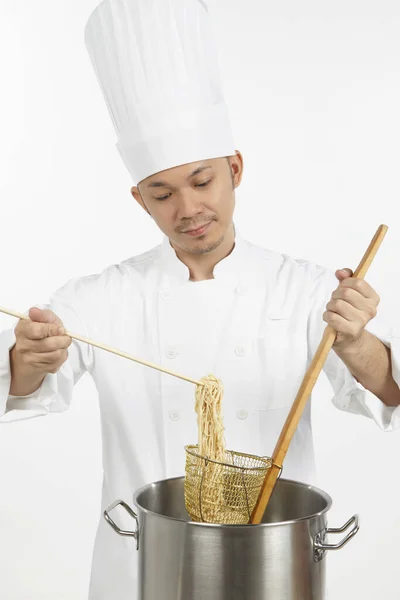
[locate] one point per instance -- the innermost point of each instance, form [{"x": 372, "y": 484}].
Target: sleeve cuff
[
  {"x": 38, "y": 404},
  {"x": 353, "y": 397},
  {"x": 13, "y": 408}
]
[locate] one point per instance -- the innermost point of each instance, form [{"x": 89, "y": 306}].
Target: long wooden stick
[
  {"x": 306, "y": 387},
  {"x": 109, "y": 349}
]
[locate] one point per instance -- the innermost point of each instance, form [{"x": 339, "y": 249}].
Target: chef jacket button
[
  {"x": 242, "y": 414},
  {"x": 165, "y": 294},
  {"x": 171, "y": 353},
  {"x": 240, "y": 350},
  {"x": 174, "y": 415},
  {"x": 241, "y": 290}
]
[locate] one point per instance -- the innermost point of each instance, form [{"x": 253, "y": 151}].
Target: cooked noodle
[
  {"x": 208, "y": 407},
  {"x": 221, "y": 486}
]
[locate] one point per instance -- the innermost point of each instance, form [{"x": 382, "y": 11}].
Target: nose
[{"x": 188, "y": 206}]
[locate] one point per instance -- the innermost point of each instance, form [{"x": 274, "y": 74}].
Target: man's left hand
[{"x": 353, "y": 304}]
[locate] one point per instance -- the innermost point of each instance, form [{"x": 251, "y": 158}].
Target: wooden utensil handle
[
  {"x": 75, "y": 336},
  {"x": 306, "y": 387}
]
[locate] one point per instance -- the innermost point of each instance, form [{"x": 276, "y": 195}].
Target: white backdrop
[{"x": 314, "y": 95}]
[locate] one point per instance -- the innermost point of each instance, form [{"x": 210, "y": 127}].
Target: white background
[{"x": 314, "y": 95}]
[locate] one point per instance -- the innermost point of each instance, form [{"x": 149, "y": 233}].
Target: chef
[{"x": 204, "y": 301}]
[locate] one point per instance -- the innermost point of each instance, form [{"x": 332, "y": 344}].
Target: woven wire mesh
[{"x": 224, "y": 493}]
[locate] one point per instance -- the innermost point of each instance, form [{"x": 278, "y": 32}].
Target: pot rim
[{"x": 324, "y": 495}]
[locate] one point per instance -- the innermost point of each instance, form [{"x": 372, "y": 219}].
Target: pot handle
[
  {"x": 319, "y": 544},
  {"x": 134, "y": 534}
]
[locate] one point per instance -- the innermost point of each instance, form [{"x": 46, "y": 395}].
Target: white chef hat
[{"x": 157, "y": 65}]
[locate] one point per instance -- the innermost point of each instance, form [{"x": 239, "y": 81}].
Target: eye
[
  {"x": 165, "y": 197},
  {"x": 203, "y": 184}
]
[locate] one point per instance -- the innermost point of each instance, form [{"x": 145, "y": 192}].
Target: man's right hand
[{"x": 40, "y": 347}]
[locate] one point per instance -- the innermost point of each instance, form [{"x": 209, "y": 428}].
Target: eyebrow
[{"x": 157, "y": 184}]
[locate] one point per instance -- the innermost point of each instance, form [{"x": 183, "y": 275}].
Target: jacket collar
[{"x": 229, "y": 270}]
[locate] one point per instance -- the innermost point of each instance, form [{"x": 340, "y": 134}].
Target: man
[{"x": 205, "y": 301}]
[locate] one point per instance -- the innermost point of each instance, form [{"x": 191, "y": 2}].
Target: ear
[
  {"x": 138, "y": 197},
  {"x": 236, "y": 165}
]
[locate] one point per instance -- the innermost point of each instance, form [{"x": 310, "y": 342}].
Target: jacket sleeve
[
  {"x": 349, "y": 394},
  {"x": 55, "y": 393}
]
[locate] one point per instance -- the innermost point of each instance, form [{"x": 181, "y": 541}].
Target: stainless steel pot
[{"x": 283, "y": 558}]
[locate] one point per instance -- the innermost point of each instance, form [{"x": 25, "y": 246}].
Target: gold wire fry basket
[{"x": 223, "y": 492}]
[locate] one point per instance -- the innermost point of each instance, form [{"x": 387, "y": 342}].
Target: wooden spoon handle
[{"x": 306, "y": 387}]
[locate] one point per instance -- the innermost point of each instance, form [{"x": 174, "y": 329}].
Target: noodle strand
[{"x": 208, "y": 406}]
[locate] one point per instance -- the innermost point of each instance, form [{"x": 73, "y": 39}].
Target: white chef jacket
[{"x": 256, "y": 326}]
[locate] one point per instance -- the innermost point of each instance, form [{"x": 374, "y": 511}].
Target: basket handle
[{"x": 306, "y": 387}]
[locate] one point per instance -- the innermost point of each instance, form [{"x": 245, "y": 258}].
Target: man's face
[{"x": 193, "y": 204}]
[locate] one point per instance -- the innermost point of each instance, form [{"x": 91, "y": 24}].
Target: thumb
[
  {"x": 46, "y": 316},
  {"x": 342, "y": 274}
]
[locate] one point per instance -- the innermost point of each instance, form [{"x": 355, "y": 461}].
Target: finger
[
  {"x": 341, "y": 325},
  {"x": 342, "y": 274},
  {"x": 354, "y": 298},
  {"x": 361, "y": 286},
  {"x": 33, "y": 330},
  {"x": 50, "y": 323},
  {"x": 52, "y": 366},
  {"x": 44, "y": 316},
  {"x": 50, "y": 358},
  {"x": 50, "y": 344},
  {"x": 345, "y": 310}
]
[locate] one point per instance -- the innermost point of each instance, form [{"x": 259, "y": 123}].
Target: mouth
[{"x": 197, "y": 232}]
